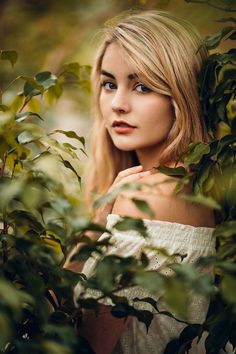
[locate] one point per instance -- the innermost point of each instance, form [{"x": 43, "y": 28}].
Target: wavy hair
[{"x": 169, "y": 53}]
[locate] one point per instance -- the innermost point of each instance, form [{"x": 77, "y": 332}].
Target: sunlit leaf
[
  {"x": 17, "y": 102},
  {"x": 201, "y": 199},
  {"x": 46, "y": 79},
  {"x": 169, "y": 171},
  {"x": 196, "y": 154},
  {"x": 127, "y": 223},
  {"x": 10, "y": 55},
  {"x": 227, "y": 229},
  {"x": 71, "y": 134},
  {"x": 150, "y": 280},
  {"x": 4, "y": 108},
  {"x": 143, "y": 206},
  {"x": 68, "y": 165},
  {"x": 214, "y": 40},
  {"x": 72, "y": 68},
  {"x": 22, "y": 116}
]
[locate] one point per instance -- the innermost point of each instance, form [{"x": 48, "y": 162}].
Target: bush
[{"x": 42, "y": 218}]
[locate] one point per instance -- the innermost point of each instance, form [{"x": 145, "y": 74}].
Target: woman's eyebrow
[
  {"x": 106, "y": 73},
  {"x": 130, "y": 76}
]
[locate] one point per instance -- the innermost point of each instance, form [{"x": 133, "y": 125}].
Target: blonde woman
[{"x": 146, "y": 113}]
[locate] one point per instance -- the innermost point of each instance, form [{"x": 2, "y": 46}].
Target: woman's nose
[{"x": 120, "y": 102}]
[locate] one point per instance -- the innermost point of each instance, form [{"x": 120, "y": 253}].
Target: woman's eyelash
[
  {"x": 144, "y": 88},
  {"x": 105, "y": 83},
  {"x": 109, "y": 85}
]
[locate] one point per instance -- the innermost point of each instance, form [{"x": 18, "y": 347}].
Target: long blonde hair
[{"x": 168, "y": 51}]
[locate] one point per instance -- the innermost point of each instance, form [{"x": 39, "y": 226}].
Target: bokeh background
[{"x": 49, "y": 33}]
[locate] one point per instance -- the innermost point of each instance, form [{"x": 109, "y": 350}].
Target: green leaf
[
  {"x": 177, "y": 297},
  {"x": 68, "y": 165},
  {"x": 46, "y": 79},
  {"x": 57, "y": 147},
  {"x": 201, "y": 199},
  {"x": 10, "y": 55},
  {"x": 124, "y": 310},
  {"x": 128, "y": 223},
  {"x": 27, "y": 137},
  {"x": 169, "y": 171},
  {"x": 6, "y": 330},
  {"x": 22, "y": 116},
  {"x": 107, "y": 198},
  {"x": 150, "y": 280},
  {"x": 226, "y": 229},
  {"x": 17, "y": 102},
  {"x": 228, "y": 286},
  {"x": 4, "y": 108},
  {"x": 9, "y": 190},
  {"x": 32, "y": 87},
  {"x": 72, "y": 68},
  {"x": 70, "y": 134},
  {"x": 195, "y": 156},
  {"x": 214, "y": 40},
  {"x": 225, "y": 142},
  {"x": 143, "y": 206},
  {"x": 13, "y": 297},
  {"x": 27, "y": 219}
]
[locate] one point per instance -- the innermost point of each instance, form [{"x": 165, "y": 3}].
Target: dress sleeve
[
  {"x": 186, "y": 243},
  {"x": 126, "y": 244}
]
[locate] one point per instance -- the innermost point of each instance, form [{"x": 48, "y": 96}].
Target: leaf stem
[
  {"x": 26, "y": 101},
  {"x": 11, "y": 83}
]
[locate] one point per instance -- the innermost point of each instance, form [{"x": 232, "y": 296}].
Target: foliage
[
  {"x": 39, "y": 216},
  {"x": 212, "y": 167},
  {"x": 42, "y": 217}
]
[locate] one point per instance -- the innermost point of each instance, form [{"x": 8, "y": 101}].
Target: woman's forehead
[{"x": 116, "y": 59}]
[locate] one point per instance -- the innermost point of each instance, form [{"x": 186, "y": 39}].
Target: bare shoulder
[{"x": 159, "y": 193}]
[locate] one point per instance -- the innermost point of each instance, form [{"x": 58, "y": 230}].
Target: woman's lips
[{"x": 121, "y": 127}]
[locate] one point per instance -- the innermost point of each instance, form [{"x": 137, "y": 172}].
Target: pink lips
[{"x": 122, "y": 127}]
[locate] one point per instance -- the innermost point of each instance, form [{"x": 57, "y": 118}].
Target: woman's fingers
[
  {"x": 132, "y": 178},
  {"x": 129, "y": 171},
  {"x": 129, "y": 175}
]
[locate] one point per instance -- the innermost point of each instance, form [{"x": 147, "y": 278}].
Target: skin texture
[{"x": 124, "y": 97}]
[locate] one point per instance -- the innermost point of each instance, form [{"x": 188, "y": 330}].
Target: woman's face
[{"x": 136, "y": 117}]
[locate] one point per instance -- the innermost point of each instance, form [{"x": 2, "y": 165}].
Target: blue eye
[
  {"x": 142, "y": 88},
  {"x": 108, "y": 85}
]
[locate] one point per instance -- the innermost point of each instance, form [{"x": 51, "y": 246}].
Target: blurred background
[{"x": 50, "y": 33}]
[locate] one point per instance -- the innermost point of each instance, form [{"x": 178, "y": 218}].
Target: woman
[{"x": 147, "y": 113}]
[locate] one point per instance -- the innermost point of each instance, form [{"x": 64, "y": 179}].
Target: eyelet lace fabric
[{"x": 189, "y": 241}]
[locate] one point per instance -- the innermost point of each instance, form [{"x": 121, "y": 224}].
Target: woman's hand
[{"x": 128, "y": 175}]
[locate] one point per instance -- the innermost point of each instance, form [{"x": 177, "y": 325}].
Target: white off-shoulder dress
[{"x": 191, "y": 241}]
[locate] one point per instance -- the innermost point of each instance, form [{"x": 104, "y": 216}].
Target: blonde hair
[{"x": 168, "y": 52}]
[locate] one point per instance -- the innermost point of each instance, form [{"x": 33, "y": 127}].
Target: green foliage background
[{"x": 42, "y": 215}]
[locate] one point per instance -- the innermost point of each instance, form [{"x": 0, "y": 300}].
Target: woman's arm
[{"x": 102, "y": 331}]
